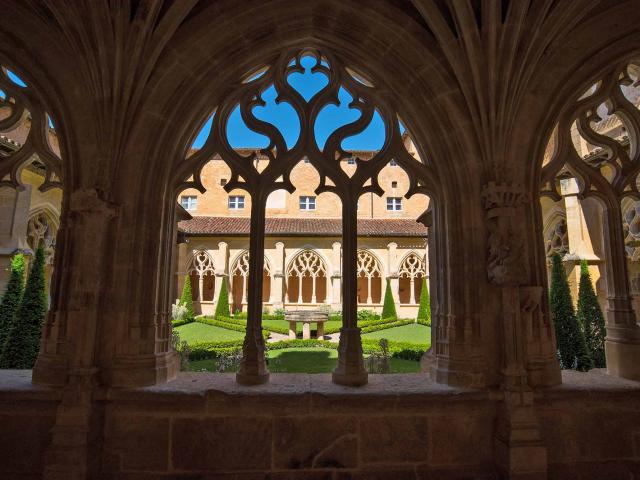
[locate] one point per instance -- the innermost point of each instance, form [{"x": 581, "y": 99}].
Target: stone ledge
[
  {"x": 596, "y": 382},
  {"x": 16, "y": 385}
]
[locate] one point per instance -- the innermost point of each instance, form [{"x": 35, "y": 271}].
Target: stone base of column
[
  {"x": 622, "y": 350},
  {"x": 253, "y": 366},
  {"x": 544, "y": 373},
  {"x": 518, "y": 447},
  {"x": 143, "y": 370},
  {"x": 468, "y": 373},
  {"x": 350, "y": 370},
  {"x": 50, "y": 370}
]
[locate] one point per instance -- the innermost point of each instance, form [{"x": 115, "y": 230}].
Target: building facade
[{"x": 303, "y": 253}]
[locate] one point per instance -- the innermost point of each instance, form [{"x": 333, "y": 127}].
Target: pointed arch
[
  {"x": 307, "y": 277},
  {"x": 369, "y": 272},
  {"x": 239, "y": 278},
  {"x": 413, "y": 268}
]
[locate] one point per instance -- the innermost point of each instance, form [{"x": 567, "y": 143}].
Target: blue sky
[{"x": 284, "y": 118}]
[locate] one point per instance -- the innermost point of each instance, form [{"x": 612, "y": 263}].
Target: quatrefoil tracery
[
  {"x": 367, "y": 99},
  {"x": 610, "y": 170},
  {"x": 21, "y": 108}
]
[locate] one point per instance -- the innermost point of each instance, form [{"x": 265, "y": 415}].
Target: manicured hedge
[
  {"x": 184, "y": 321},
  {"x": 384, "y": 326},
  {"x": 406, "y": 351}
]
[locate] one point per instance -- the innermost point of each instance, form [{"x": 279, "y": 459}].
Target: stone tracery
[{"x": 22, "y": 110}]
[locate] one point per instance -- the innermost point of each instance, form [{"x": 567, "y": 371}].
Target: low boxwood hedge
[{"x": 406, "y": 351}]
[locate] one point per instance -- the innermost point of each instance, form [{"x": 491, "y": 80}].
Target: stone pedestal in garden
[{"x": 306, "y": 317}]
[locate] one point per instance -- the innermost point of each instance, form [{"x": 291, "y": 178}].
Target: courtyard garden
[{"x": 214, "y": 343}]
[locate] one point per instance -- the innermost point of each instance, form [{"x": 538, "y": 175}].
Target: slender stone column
[
  {"x": 253, "y": 367},
  {"x": 328, "y": 297},
  {"x": 313, "y": 289},
  {"x": 245, "y": 287},
  {"x": 222, "y": 268},
  {"x": 299, "y": 289},
  {"x": 369, "y": 300},
  {"x": 336, "y": 277},
  {"x": 350, "y": 369},
  {"x": 277, "y": 277},
  {"x": 200, "y": 288},
  {"x": 412, "y": 291},
  {"x": 622, "y": 344}
]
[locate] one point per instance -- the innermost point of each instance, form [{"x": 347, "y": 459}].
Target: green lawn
[
  {"x": 413, "y": 333},
  {"x": 200, "y": 332},
  {"x": 308, "y": 360}
]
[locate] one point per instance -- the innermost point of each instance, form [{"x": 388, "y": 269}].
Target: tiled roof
[{"x": 237, "y": 226}]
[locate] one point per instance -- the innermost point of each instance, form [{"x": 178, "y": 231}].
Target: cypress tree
[
  {"x": 222, "y": 308},
  {"x": 590, "y": 317},
  {"x": 12, "y": 297},
  {"x": 23, "y": 340},
  {"x": 186, "y": 298},
  {"x": 389, "y": 306},
  {"x": 424, "y": 312},
  {"x": 572, "y": 347}
]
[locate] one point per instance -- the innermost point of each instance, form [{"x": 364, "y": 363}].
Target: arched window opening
[
  {"x": 590, "y": 175},
  {"x": 369, "y": 279},
  {"x": 296, "y": 145},
  {"x": 201, "y": 269},
  {"x": 307, "y": 279},
  {"x": 240, "y": 283},
  {"x": 30, "y": 205},
  {"x": 412, "y": 271}
]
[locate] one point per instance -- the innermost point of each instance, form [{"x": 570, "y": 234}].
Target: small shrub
[
  {"x": 222, "y": 307},
  {"x": 367, "y": 315},
  {"x": 186, "y": 298},
  {"x": 183, "y": 349},
  {"x": 591, "y": 318},
  {"x": 11, "y": 298},
  {"x": 178, "y": 312},
  {"x": 424, "y": 312},
  {"x": 23, "y": 338},
  {"x": 389, "y": 307},
  {"x": 572, "y": 348},
  {"x": 278, "y": 313}
]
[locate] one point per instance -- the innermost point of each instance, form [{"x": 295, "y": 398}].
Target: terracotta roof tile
[{"x": 235, "y": 226}]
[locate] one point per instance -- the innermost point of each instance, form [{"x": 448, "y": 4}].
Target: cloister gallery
[{"x": 509, "y": 132}]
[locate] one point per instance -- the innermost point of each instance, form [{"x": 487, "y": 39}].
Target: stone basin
[{"x": 306, "y": 317}]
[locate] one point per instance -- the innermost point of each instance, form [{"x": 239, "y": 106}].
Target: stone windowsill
[{"x": 302, "y": 392}]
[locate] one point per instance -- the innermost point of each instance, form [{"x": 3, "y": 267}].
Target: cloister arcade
[
  {"x": 480, "y": 87},
  {"x": 318, "y": 267}
]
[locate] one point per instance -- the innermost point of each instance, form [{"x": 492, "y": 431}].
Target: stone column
[
  {"x": 519, "y": 449},
  {"x": 336, "y": 277},
  {"x": 313, "y": 288},
  {"x": 277, "y": 277},
  {"x": 350, "y": 369},
  {"x": 392, "y": 273},
  {"x": 299, "y": 289},
  {"x": 622, "y": 343},
  {"x": 253, "y": 367},
  {"x": 412, "y": 290},
  {"x": 369, "y": 300},
  {"x": 222, "y": 268},
  {"x": 329, "y": 296}
]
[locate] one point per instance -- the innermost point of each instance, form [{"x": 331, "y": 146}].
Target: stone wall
[{"x": 304, "y": 427}]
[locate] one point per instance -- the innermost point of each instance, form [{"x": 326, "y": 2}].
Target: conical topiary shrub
[
  {"x": 424, "y": 312},
  {"x": 222, "y": 308},
  {"x": 11, "y": 298},
  {"x": 389, "y": 306},
  {"x": 186, "y": 298},
  {"x": 23, "y": 340},
  {"x": 591, "y": 318},
  {"x": 572, "y": 347}
]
